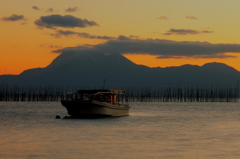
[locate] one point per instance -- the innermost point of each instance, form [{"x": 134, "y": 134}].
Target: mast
[{"x": 104, "y": 83}]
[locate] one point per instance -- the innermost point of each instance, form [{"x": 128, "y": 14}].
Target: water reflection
[{"x": 153, "y": 130}]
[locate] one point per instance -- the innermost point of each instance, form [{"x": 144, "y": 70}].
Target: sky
[{"x": 155, "y": 33}]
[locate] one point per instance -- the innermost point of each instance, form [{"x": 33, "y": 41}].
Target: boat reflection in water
[{"x": 96, "y": 103}]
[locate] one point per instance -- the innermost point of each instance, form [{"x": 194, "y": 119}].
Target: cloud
[
  {"x": 13, "y": 17},
  {"x": 35, "y": 8},
  {"x": 206, "y": 31},
  {"x": 133, "y": 36},
  {"x": 185, "y": 32},
  {"x": 160, "y": 47},
  {"x": 67, "y": 21},
  {"x": 50, "y": 45},
  {"x": 74, "y": 9},
  {"x": 49, "y": 10},
  {"x": 163, "y": 18},
  {"x": 192, "y": 17},
  {"x": 169, "y": 56},
  {"x": 61, "y": 33}
]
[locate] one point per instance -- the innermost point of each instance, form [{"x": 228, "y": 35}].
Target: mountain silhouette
[{"x": 91, "y": 69}]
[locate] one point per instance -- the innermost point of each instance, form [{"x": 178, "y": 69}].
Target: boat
[{"x": 96, "y": 103}]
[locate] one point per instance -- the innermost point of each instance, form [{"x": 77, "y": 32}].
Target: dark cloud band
[
  {"x": 61, "y": 33},
  {"x": 185, "y": 32},
  {"x": 163, "y": 48},
  {"x": 13, "y": 17},
  {"x": 67, "y": 21}
]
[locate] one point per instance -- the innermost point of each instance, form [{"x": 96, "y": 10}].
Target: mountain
[{"x": 91, "y": 69}]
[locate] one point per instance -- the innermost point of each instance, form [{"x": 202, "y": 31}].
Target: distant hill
[{"x": 82, "y": 69}]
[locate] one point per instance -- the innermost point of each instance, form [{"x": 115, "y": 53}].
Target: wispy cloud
[
  {"x": 50, "y": 46},
  {"x": 160, "y": 47},
  {"x": 49, "y": 10},
  {"x": 185, "y": 32},
  {"x": 13, "y": 17},
  {"x": 73, "y": 9},
  {"x": 35, "y": 8},
  {"x": 192, "y": 17},
  {"x": 61, "y": 33},
  {"x": 67, "y": 21},
  {"x": 169, "y": 56},
  {"x": 163, "y": 18}
]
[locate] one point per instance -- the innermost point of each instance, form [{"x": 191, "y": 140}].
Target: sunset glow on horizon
[{"x": 152, "y": 33}]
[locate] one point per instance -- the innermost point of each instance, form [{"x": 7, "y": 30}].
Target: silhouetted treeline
[{"x": 179, "y": 93}]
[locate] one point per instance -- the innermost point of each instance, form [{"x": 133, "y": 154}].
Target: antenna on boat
[{"x": 104, "y": 83}]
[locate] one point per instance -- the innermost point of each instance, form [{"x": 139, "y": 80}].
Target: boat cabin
[{"x": 109, "y": 96}]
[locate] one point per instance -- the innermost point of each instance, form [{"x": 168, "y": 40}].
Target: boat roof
[{"x": 93, "y": 91}]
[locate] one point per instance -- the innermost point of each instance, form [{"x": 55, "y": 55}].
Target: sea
[{"x": 153, "y": 130}]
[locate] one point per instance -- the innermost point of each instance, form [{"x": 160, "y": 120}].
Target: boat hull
[{"x": 94, "y": 108}]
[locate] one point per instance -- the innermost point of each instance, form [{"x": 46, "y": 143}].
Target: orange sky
[{"x": 25, "y": 45}]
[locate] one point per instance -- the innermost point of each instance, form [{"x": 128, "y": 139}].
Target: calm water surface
[{"x": 29, "y": 130}]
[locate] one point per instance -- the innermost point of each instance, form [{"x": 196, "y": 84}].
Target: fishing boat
[{"x": 96, "y": 103}]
